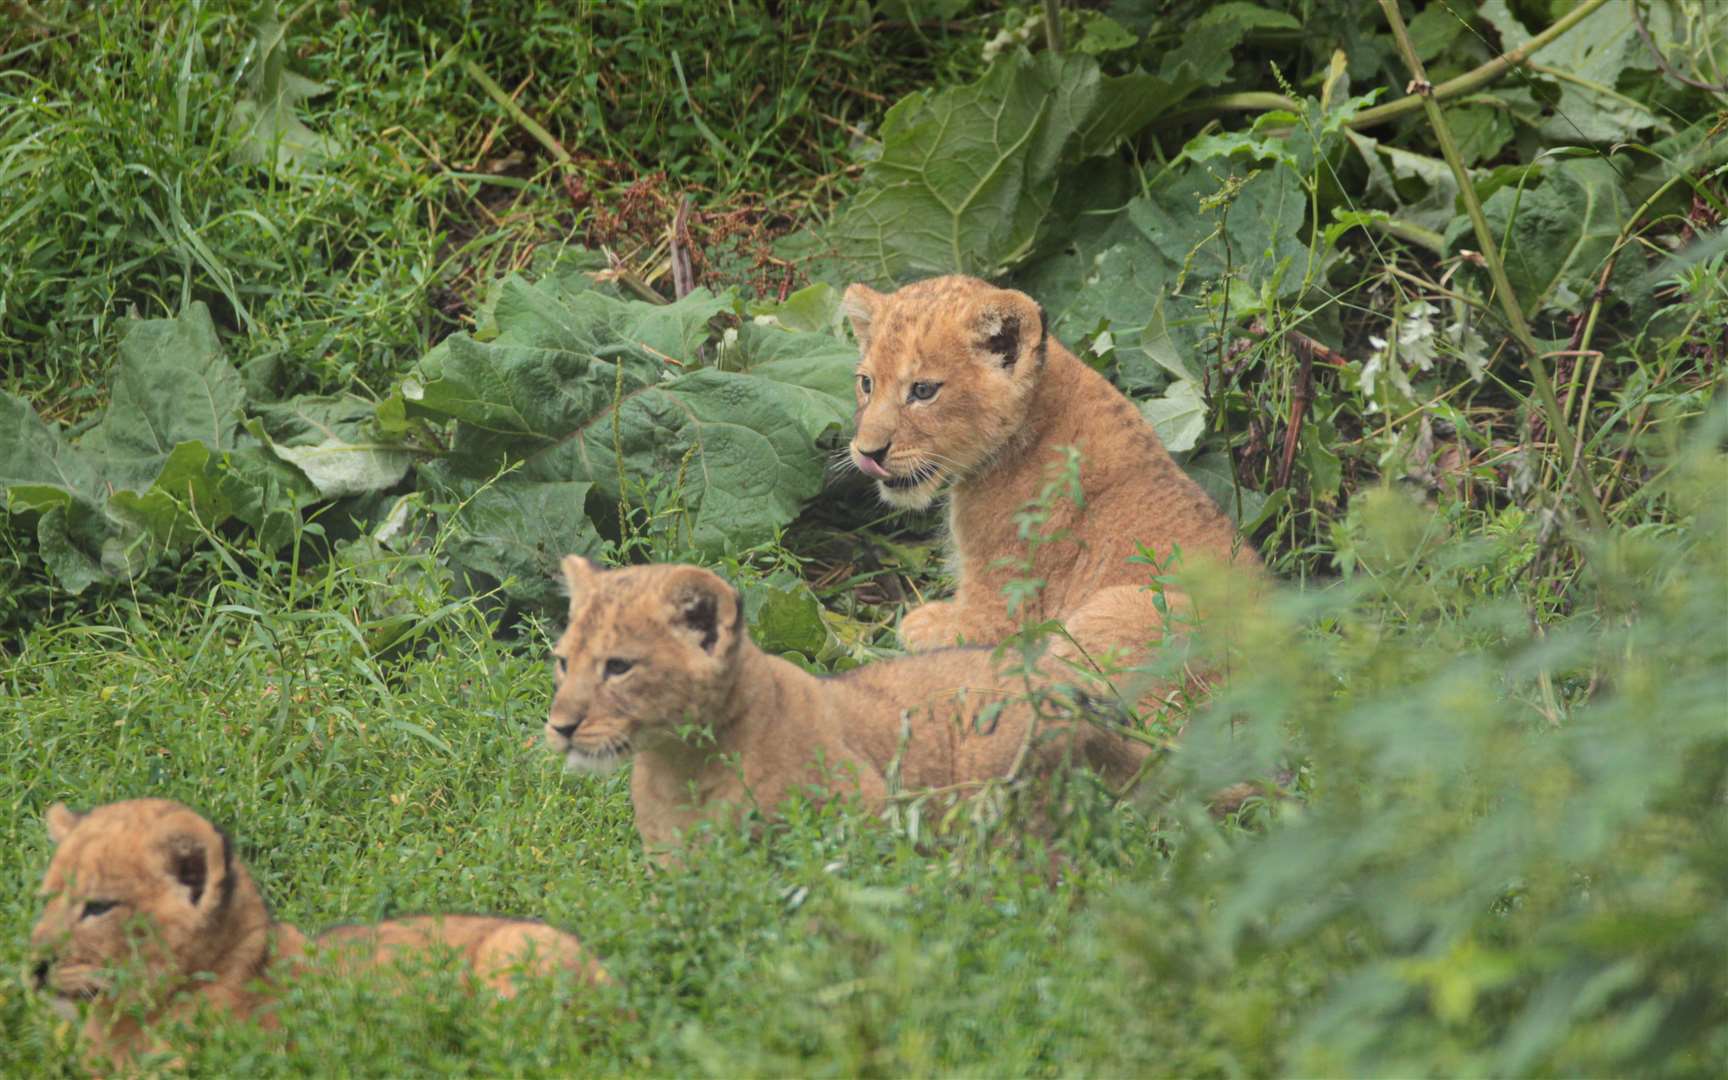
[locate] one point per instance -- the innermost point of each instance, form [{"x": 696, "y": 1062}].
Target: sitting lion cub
[
  {"x": 653, "y": 654},
  {"x": 149, "y": 882},
  {"x": 959, "y": 385}
]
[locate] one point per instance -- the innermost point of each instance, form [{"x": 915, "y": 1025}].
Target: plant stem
[
  {"x": 1469, "y": 82},
  {"x": 527, "y": 123},
  {"x": 1053, "y": 25},
  {"x": 1411, "y": 233},
  {"x": 1247, "y": 101},
  {"x": 1496, "y": 271},
  {"x": 1480, "y": 76}
]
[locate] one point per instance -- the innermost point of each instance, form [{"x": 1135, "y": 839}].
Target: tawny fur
[
  {"x": 187, "y": 914},
  {"x": 653, "y": 652},
  {"x": 1007, "y": 397}
]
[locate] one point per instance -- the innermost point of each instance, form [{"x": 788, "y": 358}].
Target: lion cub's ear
[
  {"x": 61, "y": 821},
  {"x": 579, "y": 575},
  {"x": 186, "y": 861},
  {"x": 860, "y": 303},
  {"x": 1011, "y": 329},
  {"x": 707, "y": 610}
]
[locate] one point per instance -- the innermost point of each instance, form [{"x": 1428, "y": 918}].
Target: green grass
[{"x": 337, "y": 282}]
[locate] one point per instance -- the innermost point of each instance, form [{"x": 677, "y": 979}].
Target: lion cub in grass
[
  {"x": 960, "y": 386},
  {"x": 150, "y": 884},
  {"x": 656, "y": 664}
]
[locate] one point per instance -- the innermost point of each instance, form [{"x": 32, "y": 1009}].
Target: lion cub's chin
[
  {"x": 910, "y": 498},
  {"x": 603, "y": 760}
]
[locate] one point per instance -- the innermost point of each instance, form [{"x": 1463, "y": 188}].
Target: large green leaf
[
  {"x": 1558, "y": 233},
  {"x": 966, "y": 174},
  {"x": 515, "y": 532},
  {"x": 38, "y": 470},
  {"x": 581, "y": 388},
  {"x": 167, "y": 459},
  {"x": 1256, "y": 242},
  {"x": 558, "y": 361},
  {"x": 335, "y": 442},
  {"x": 1127, "y": 268},
  {"x": 969, "y": 177},
  {"x": 173, "y": 385}
]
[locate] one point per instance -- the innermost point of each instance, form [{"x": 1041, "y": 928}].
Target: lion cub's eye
[
  {"x": 93, "y": 908},
  {"x": 617, "y": 666},
  {"x": 864, "y": 384},
  {"x": 563, "y": 665},
  {"x": 923, "y": 391}
]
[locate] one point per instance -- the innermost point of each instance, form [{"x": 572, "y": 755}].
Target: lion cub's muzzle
[
  {"x": 561, "y": 728},
  {"x": 604, "y": 753},
  {"x": 65, "y": 984}
]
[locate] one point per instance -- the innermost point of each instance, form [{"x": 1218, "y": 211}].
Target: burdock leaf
[
  {"x": 163, "y": 463},
  {"x": 579, "y": 388},
  {"x": 266, "y": 124},
  {"x": 173, "y": 385},
  {"x": 336, "y": 443},
  {"x": 1561, "y": 232},
  {"x": 1595, "y": 53}
]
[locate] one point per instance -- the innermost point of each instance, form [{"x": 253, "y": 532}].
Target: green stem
[
  {"x": 1480, "y": 76},
  {"x": 1053, "y": 25},
  {"x": 1411, "y": 233},
  {"x": 527, "y": 123},
  {"x": 1248, "y": 101},
  {"x": 1467, "y": 83},
  {"x": 1496, "y": 271}
]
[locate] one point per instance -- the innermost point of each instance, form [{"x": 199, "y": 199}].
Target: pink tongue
[{"x": 869, "y": 467}]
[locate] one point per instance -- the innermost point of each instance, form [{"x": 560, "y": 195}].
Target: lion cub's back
[
  {"x": 961, "y": 708},
  {"x": 494, "y": 947}
]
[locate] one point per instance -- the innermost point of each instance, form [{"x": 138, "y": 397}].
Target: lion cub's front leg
[
  {"x": 931, "y": 626},
  {"x": 951, "y": 622}
]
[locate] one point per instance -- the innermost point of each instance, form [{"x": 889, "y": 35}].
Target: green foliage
[
  {"x": 167, "y": 461},
  {"x": 266, "y": 121},
  {"x": 573, "y": 395},
  {"x": 1559, "y": 232},
  {"x": 972, "y": 179},
  {"x": 1578, "y": 91},
  {"x": 1510, "y": 857},
  {"x": 591, "y": 400},
  {"x": 967, "y": 178}
]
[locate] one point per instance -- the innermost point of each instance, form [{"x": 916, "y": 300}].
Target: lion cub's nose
[
  {"x": 566, "y": 731},
  {"x": 879, "y": 455}
]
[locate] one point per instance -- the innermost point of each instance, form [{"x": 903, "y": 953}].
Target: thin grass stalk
[{"x": 1533, "y": 361}]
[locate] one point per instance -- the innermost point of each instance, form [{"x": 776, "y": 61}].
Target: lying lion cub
[
  {"x": 149, "y": 882},
  {"x": 653, "y": 652}
]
